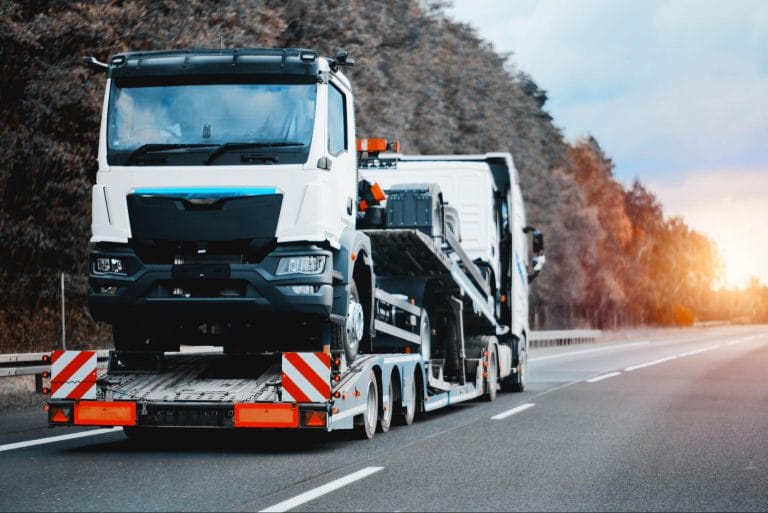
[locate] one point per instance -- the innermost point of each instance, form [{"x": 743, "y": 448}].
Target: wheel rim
[
  {"x": 387, "y": 415},
  {"x": 492, "y": 376},
  {"x": 425, "y": 336},
  {"x": 370, "y": 412},
  {"x": 355, "y": 324},
  {"x": 411, "y": 408}
]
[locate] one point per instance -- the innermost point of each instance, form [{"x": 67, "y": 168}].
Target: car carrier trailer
[{"x": 229, "y": 211}]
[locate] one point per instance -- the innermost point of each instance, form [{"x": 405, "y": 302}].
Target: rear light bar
[
  {"x": 105, "y": 413},
  {"x": 267, "y": 415}
]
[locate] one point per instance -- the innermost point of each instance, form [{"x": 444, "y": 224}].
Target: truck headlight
[
  {"x": 308, "y": 264},
  {"x": 109, "y": 265},
  {"x": 102, "y": 265}
]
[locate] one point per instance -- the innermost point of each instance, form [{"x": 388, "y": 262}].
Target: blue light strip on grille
[{"x": 206, "y": 192}]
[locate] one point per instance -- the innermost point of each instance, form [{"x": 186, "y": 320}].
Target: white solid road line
[
  {"x": 572, "y": 353},
  {"x": 322, "y": 490},
  {"x": 516, "y": 409},
  {"x": 60, "y": 438},
  {"x": 603, "y": 376},
  {"x": 648, "y": 364},
  {"x": 743, "y": 339},
  {"x": 697, "y": 351}
]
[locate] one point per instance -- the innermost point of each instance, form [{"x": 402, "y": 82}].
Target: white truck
[{"x": 232, "y": 210}]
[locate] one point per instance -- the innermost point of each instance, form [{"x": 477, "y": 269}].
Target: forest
[{"x": 613, "y": 258}]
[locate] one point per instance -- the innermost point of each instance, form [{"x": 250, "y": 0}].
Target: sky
[{"x": 675, "y": 92}]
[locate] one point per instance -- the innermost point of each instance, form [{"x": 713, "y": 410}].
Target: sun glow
[{"x": 731, "y": 208}]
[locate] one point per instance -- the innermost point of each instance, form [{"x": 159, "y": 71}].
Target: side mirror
[
  {"x": 95, "y": 64},
  {"x": 342, "y": 59},
  {"x": 538, "y": 252},
  {"x": 538, "y": 242}
]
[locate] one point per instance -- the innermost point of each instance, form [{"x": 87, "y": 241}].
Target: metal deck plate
[
  {"x": 198, "y": 379},
  {"x": 407, "y": 253}
]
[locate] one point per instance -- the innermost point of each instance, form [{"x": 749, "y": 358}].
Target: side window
[{"x": 337, "y": 121}]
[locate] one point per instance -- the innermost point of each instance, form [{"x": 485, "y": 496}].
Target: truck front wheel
[{"x": 348, "y": 337}]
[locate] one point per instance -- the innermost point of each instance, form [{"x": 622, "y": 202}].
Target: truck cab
[
  {"x": 484, "y": 211},
  {"x": 225, "y": 201}
]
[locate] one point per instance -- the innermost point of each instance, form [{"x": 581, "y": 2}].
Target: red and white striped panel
[
  {"x": 306, "y": 377},
  {"x": 73, "y": 375}
]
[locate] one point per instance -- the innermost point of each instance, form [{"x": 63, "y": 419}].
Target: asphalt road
[{"x": 657, "y": 420}]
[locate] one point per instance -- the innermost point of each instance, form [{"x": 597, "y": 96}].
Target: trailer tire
[
  {"x": 349, "y": 336},
  {"x": 387, "y": 408},
  {"x": 367, "y": 422},
  {"x": 517, "y": 381},
  {"x": 452, "y": 356},
  {"x": 492, "y": 381},
  {"x": 408, "y": 413}
]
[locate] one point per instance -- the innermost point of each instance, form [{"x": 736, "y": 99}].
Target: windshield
[{"x": 193, "y": 124}]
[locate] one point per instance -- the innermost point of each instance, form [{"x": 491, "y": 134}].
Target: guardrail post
[
  {"x": 39, "y": 383},
  {"x": 63, "y": 320}
]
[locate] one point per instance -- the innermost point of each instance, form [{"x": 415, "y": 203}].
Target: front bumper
[{"x": 209, "y": 291}]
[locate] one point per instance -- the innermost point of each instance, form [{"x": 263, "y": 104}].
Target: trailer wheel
[
  {"x": 493, "y": 378},
  {"x": 451, "y": 341},
  {"x": 348, "y": 337},
  {"x": 408, "y": 413},
  {"x": 522, "y": 375},
  {"x": 385, "y": 420},
  {"x": 425, "y": 335},
  {"x": 366, "y": 423},
  {"x": 517, "y": 381}
]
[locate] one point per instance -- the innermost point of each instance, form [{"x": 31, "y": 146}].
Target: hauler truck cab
[{"x": 229, "y": 211}]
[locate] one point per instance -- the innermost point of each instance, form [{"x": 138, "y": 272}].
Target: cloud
[
  {"x": 730, "y": 207},
  {"x": 662, "y": 85}
]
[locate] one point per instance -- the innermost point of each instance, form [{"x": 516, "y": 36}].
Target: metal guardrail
[
  {"x": 26, "y": 364},
  {"x": 563, "y": 337}
]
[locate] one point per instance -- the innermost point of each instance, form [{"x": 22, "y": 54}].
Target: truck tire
[
  {"x": 366, "y": 423},
  {"x": 518, "y": 380},
  {"x": 451, "y": 344},
  {"x": 492, "y": 382},
  {"x": 425, "y": 335},
  {"x": 387, "y": 408},
  {"x": 348, "y": 337},
  {"x": 408, "y": 413}
]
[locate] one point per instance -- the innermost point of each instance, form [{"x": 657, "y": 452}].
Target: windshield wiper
[
  {"x": 155, "y": 148},
  {"x": 237, "y": 146}
]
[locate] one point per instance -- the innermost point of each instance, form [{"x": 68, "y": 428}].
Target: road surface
[{"x": 672, "y": 420}]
